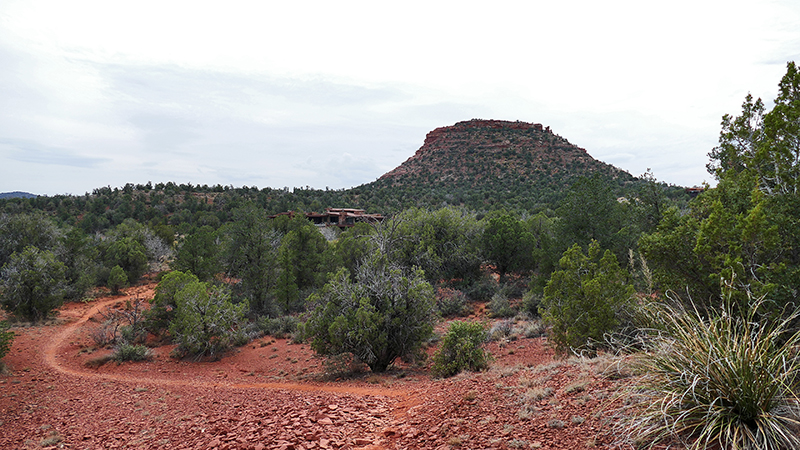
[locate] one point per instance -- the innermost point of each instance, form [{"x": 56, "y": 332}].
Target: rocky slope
[
  {"x": 495, "y": 160},
  {"x": 267, "y": 395}
]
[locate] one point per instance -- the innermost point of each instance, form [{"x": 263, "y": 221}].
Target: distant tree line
[
  {"x": 708, "y": 287},
  {"x": 56, "y": 249}
]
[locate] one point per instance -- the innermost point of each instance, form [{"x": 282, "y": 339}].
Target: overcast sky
[{"x": 335, "y": 94}]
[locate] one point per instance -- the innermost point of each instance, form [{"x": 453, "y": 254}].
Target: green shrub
[
  {"x": 461, "y": 349},
  {"x": 451, "y": 302},
  {"x": 6, "y": 338},
  {"x": 117, "y": 279},
  {"x": 530, "y": 304},
  {"x": 128, "y": 253},
  {"x": 278, "y": 327},
  {"x": 131, "y": 352},
  {"x": 583, "y": 302},
  {"x": 388, "y": 313},
  {"x": 482, "y": 290},
  {"x": 500, "y": 306},
  {"x": 32, "y": 283},
  {"x": 727, "y": 381},
  {"x": 163, "y": 306},
  {"x": 206, "y": 322}
]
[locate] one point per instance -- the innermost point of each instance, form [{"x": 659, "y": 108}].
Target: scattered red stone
[{"x": 268, "y": 395}]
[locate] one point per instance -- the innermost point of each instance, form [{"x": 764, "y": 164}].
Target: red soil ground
[{"x": 268, "y": 395}]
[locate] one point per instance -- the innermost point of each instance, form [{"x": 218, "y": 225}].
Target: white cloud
[{"x": 337, "y": 93}]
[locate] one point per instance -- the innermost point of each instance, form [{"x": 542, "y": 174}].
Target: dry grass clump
[
  {"x": 612, "y": 367},
  {"x": 536, "y": 394},
  {"x": 501, "y": 330},
  {"x": 534, "y": 329},
  {"x": 549, "y": 367},
  {"x": 526, "y": 381},
  {"x": 578, "y": 385}
]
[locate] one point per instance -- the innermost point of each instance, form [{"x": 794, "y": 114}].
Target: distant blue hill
[{"x": 17, "y": 194}]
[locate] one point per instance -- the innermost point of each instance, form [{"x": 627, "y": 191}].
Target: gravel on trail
[{"x": 269, "y": 395}]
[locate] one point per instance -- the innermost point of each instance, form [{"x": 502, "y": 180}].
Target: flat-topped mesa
[
  {"x": 484, "y": 123},
  {"x": 481, "y": 154},
  {"x": 453, "y": 135}
]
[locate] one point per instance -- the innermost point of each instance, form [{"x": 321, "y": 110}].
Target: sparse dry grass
[
  {"x": 579, "y": 385},
  {"x": 536, "y": 394}
]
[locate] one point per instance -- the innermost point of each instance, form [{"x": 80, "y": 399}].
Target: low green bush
[
  {"x": 131, "y": 352},
  {"x": 278, "y": 327},
  {"x": 117, "y": 279},
  {"x": 500, "y": 306},
  {"x": 530, "y": 304},
  {"x": 451, "y": 302},
  {"x": 206, "y": 322},
  {"x": 726, "y": 381},
  {"x": 585, "y": 300},
  {"x": 461, "y": 349},
  {"x": 388, "y": 313},
  {"x": 482, "y": 290}
]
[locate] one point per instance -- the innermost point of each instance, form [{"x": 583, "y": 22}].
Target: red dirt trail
[{"x": 266, "y": 395}]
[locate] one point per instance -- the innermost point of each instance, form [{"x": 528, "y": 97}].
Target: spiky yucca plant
[{"x": 722, "y": 382}]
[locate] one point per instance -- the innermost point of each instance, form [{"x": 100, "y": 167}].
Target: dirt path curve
[
  {"x": 52, "y": 351},
  {"x": 338, "y": 412}
]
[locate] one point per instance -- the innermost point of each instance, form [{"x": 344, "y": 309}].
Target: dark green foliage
[
  {"x": 451, "y": 302},
  {"x": 154, "y": 248},
  {"x": 80, "y": 255},
  {"x": 383, "y": 315},
  {"x": 19, "y": 231},
  {"x": 544, "y": 257},
  {"x": 300, "y": 259},
  {"x": 6, "y": 338},
  {"x": 482, "y": 290},
  {"x": 444, "y": 243},
  {"x": 670, "y": 253},
  {"x": 131, "y": 352},
  {"x": 500, "y": 306},
  {"x": 117, "y": 279},
  {"x": 590, "y": 211},
  {"x": 651, "y": 201},
  {"x": 251, "y": 256},
  {"x": 507, "y": 244},
  {"x": 32, "y": 284},
  {"x": 206, "y": 323},
  {"x": 287, "y": 294},
  {"x": 584, "y": 300},
  {"x": 164, "y": 304},
  {"x": 128, "y": 253},
  {"x": 461, "y": 349},
  {"x": 740, "y": 239},
  {"x": 199, "y": 253},
  {"x": 278, "y": 327},
  {"x": 530, "y": 304},
  {"x": 350, "y": 248},
  {"x": 303, "y": 247}
]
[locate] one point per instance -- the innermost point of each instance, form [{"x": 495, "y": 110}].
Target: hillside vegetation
[{"x": 505, "y": 214}]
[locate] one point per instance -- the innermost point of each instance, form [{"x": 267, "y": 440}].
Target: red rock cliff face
[{"x": 479, "y": 149}]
